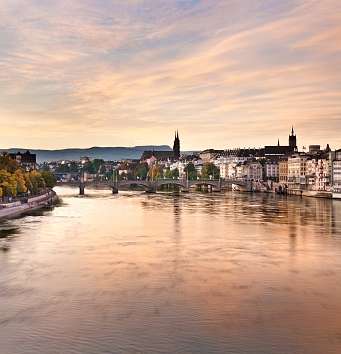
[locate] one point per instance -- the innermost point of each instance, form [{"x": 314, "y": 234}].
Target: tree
[
  {"x": 93, "y": 166},
  {"x": 210, "y": 171},
  {"x": 8, "y": 164},
  {"x": 13, "y": 185},
  {"x": 168, "y": 173},
  {"x": 34, "y": 181},
  {"x": 6, "y": 187},
  {"x": 141, "y": 171},
  {"x": 175, "y": 173},
  {"x": 155, "y": 172},
  {"x": 17, "y": 182},
  {"x": 49, "y": 179},
  {"x": 21, "y": 183},
  {"x": 8, "y": 183},
  {"x": 191, "y": 171},
  {"x": 171, "y": 174}
]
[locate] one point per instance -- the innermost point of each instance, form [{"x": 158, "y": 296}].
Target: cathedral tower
[
  {"x": 176, "y": 146},
  {"x": 293, "y": 140}
]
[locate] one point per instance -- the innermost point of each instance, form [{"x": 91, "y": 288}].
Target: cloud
[{"x": 216, "y": 70}]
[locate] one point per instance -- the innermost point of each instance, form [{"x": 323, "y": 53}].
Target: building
[
  {"x": 180, "y": 166},
  {"x": 313, "y": 149},
  {"x": 176, "y": 146},
  {"x": 311, "y": 173},
  {"x": 297, "y": 168},
  {"x": 228, "y": 170},
  {"x": 241, "y": 155},
  {"x": 249, "y": 171},
  {"x": 223, "y": 170},
  {"x": 318, "y": 174},
  {"x": 163, "y": 155},
  {"x": 25, "y": 160},
  {"x": 336, "y": 174},
  {"x": 335, "y": 161},
  {"x": 283, "y": 171},
  {"x": 210, "y": 154},
  {"x": 323, "y": 175},
  {"x": 271, "y": 170},
  {"x": 277, "y": 151},
  {"x": 293, "y": 140}
]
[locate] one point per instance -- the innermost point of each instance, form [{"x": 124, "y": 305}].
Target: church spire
[
  {"x": 176, "y": 146},
  {"x": 293, "y": 140}
]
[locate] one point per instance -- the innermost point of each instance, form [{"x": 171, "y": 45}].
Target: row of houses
[{"x": 315, "y": 171}]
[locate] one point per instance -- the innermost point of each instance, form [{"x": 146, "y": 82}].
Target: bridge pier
[
  {"x": 151, "y": 190},
  {"x": 81, "y": 189}
]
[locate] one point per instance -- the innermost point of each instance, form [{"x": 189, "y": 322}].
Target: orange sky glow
[{"x": 225, "y": 73}]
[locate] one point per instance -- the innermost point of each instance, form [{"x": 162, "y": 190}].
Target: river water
[{"x": 193, "y": 273}]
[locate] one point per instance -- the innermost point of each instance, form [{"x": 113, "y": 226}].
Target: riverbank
[{"x": 19, "y": 208}]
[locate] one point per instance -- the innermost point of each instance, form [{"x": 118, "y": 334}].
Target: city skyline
[{"x": 98, "y": 73}]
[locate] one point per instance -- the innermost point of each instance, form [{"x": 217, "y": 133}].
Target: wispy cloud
[{"x": 130, "y": 72}]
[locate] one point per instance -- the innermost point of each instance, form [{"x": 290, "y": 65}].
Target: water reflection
[
  {"x": 7, "y": 231},
  {"x": 188, "y": 273}
]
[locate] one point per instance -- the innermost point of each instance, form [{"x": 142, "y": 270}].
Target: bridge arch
[
  {"x": 128, "y": 184},
  {"x": 214, "y": 184},
  {"x": 171, "y": 183}
]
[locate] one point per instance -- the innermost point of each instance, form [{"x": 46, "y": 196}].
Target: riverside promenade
[{"x": 18, "y": 208}]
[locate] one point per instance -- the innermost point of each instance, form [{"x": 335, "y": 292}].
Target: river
[{"x": 192, "y": 273}]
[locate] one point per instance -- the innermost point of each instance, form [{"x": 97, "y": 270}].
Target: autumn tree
[
  {"x": 155, "y": 172},
  {"x": 8, "y": 164}
]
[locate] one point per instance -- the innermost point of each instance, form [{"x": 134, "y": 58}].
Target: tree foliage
[
  {"x": 191, "y": 171},
  {"x": 15, "y": 182},
  {"x": 8, "y": 164},
  {"x": 155, "y": 172},
  {"x": 93, "y": 166},
  {"x": 141, "y": 171},
  {"x": 49, "y": 179},
  {"x": 210, "y": 171},
  {"x": 171, "y": 174}
]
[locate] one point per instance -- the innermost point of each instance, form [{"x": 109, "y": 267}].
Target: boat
[
  {"x": 336, "y": 193},
  {"x": 238, "y": 188},
  {"x": 317, "y": 194}
]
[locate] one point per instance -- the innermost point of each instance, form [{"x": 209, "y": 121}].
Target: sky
[{"x": 225, "y": 73}]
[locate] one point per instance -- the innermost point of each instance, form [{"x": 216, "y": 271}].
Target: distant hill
[{"x": 105, "y": 153}]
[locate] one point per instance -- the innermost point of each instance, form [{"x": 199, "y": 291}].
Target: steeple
[
  {"x": 293, "y": 140},
  {"x": 176, "y": 146}
]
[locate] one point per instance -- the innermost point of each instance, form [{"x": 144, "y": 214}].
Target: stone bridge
[{"x": 153, "y": 186}]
